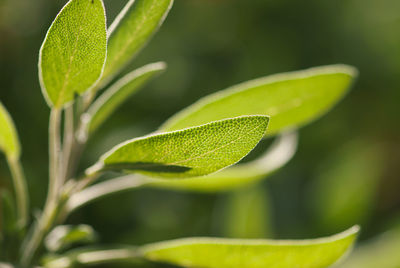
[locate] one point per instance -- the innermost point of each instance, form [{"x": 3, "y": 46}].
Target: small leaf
[
  {"x": 112, "y": 98},
  {"x": 9, "y": 142},
  {"x": 64, "y": 236},
  {"x": 73, "y": 53},
  {"x": 228, "y": 253},
  {"x": 290, "y": 99},
  {"x": 190, "y": 152},
  {"x": 280, "y": 152},
  {"x": 131, "y": 31}
]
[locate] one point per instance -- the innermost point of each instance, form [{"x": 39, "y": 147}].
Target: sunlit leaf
[
  {"x": 73, "y": 53},
  {"x": 290, "y": 99},
  {"x": 9, "y": 142},
  {"x": 280, "y": 152},
  {"x": 190, "y": 152},
  {"x": 228, "y": 253},
  {"x": 131, "y": 31},
  {"x": 112, "y": 98}
]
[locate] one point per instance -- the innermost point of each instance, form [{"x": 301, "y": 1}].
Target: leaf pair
[{"x": 73, "y": 55}]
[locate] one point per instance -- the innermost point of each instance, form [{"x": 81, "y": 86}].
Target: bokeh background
[{"x": 347, "y": 167}]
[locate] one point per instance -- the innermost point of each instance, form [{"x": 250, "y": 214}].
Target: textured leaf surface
[
  {"x": 190, "y": 152},
  {"x": 228, "y": 253},
  {"x": 9, "y": 142},
  {"x": 74, "y": 51},
  {"x": 131, "y": 30},
  {"x": 280, "y": 152},
  {"x": 290, "y": 99},
  {"x": 112, "y": 98}
]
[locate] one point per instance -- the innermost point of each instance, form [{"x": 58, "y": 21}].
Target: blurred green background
[{"x": 347, "y": 167}]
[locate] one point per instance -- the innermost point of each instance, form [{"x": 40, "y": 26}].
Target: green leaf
[
  {"x": 63, "y": 236},
  {"x": 228, "y": 253},
  {"x": 131, "y": 31},
  {"x": 237, "y": 176},
  {"x": 9, "y": 142},
  {"x": 73, "y": 53},
  {"x": 190, "y": 152},
  {"x": 290, "y": 99},
  {"x": 112, "y": 98}
]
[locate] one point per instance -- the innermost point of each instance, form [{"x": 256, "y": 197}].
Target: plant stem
[
  {"x": 55, "y": 155},
  {"x": 68, "y": 143},
  {"x": 46, "y": 220},
  {"x": 21, "y": 191},
  {"x": 97, "y": 257}
]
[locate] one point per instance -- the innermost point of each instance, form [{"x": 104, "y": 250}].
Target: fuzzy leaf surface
[
  {"x": 73, "y": 53},
  {"x": 227, "y": 253},
  {"x": 131, "y": 31},
  {"x": 190, "y": 152},
  {"x": 290, "y": 99}
]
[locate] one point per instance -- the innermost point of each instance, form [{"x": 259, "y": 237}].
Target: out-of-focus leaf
[
  {"x": 228, "y": 253},
  {"x": 247, "y": 213},
  {"x": 111, "y": 99},
  {"x": 64, "y": 236},
  {"x": 73, "y": 53},
  {"x": 9, "y": 142},
  {"x": 346, "y": 188},
  {"x": 280, "y": 152},
  {"x": 8, "y": 215},
  {"x": 382, "y": 251},
  {"x": 190, "y": 152},
  {"x": 290, "y": 99},
  {"x": 131, "y": 31}
]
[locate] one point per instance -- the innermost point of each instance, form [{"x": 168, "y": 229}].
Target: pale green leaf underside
[
  {"x": 131, "y": 31},
  {"x": 290, "y": 99},
  {"x": 112, "y": 98},
  {"x": 190, "y": 152},
  {"x": 73, "y": 53},
  {"x": 280, "y": 152},
  {"x": 9, "y": 142},
  {"x": 228, "y": 253}
]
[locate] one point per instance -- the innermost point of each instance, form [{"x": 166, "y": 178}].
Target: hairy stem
[
  {"x": 33, "y": 242},
  {"x": 21, "y": 191},
  {"x": 68, "y": 142}
]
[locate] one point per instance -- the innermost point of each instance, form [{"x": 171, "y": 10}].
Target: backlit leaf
[
  {"x": 9, "y": 142},
  {"x": 131, "y": 31},
  {"x": 190, "y": 152},
  {"x": 73, "y": 53},
  {"x": 290, "y": 99},
  {"x": 228, "y": 253}
]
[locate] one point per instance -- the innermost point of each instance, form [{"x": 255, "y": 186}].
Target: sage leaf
[
  {"x": 112, "y": 98},
  {"x": 131, "y": 31},
  {"x": 240, "y": 175},
  {"x": 228, "y": 253},
  {"x": 9, "y": 142},
  {"x": 290, "y": 99},
  {"x": 73, "y": 53},
  {"x": 190, "y": 152},
  {"x": 64, "y": 236}
]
